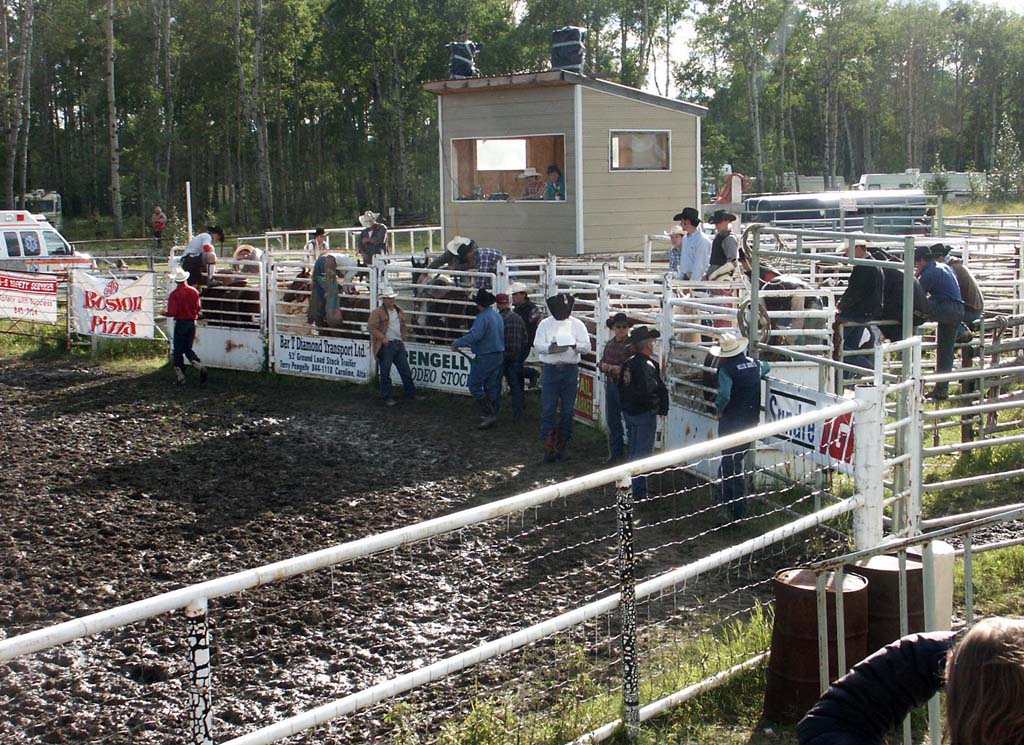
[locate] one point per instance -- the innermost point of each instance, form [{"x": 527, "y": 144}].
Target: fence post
[
  {"x": 647, "y": 250},
  {"x": 200, "y": 710},
  {"x": 627, "y": 604},
  {"x": 868, "y": 466}
]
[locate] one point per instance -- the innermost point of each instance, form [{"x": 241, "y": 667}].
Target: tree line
[{"x": 293, "y": 112}]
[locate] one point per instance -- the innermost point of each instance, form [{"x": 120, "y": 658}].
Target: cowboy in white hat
[
  {"x": 533, "y": 186},
  {"x": 373, "y": 239},
  {"x": 462, "y": 254},
  {"x": 387, "y": 337},
  {"x": 739, "y": 407},
  {"x": 531, "y": 314},
  {"x": 183, "y": 306}
]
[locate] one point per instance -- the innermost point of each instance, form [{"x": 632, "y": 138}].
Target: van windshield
[{"x": 55, "y": 245}]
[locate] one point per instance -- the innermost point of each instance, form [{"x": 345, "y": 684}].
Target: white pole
[
  {"x": 868, "y": 466},
  {"x": 188, "y": 207}
]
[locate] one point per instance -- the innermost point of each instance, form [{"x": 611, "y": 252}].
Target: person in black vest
[
  {"x": 644, "y": 398},
  {"x": 892, "y": 298},
  {"x": 861, "y": 303},
  {"x": 738, "y": 404},
  {"x": 725, "y": 248}
]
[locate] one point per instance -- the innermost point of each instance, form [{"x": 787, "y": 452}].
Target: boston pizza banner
[
  {"x": 117, "y": 307},
  {"x": 28, "y": 296}
]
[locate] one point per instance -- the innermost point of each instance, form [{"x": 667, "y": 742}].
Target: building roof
[{"x": 554, "y": 78}]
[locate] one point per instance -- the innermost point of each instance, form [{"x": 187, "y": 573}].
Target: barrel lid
[
  {"x": 888, "y": 563},
  {"x": 805, "y": 579}
]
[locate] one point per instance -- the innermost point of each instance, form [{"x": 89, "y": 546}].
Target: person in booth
[{"x": 555, "y": 187}]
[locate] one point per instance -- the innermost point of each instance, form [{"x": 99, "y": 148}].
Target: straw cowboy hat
[
  {"x": 179, "y": 274},
  {"x": 729, "y": 345},
  {"x": 517, "y": 287},
  {"x": 387, "y": 291},
  {"x": 456, "y": 243},
  {"x": 368, "y": 218},
  {"x": 530, "y": 172},
  {"x": 675, "y": 230}
]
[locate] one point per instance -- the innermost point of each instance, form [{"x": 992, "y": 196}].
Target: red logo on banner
[
  {"x": 837, "y": 438},
  {"x": 111, "y": 288}
]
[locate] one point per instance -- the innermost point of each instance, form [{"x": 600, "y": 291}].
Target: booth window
[
  {"x": 640, "y": 151},
  {"x": 501, "y": 168}
]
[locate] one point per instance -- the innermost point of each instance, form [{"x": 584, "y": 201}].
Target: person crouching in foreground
[
  {"x": 487, "y": 340},
  {"x": 560, "y": 342},
  {"x": 644, "y": 398},
  {"x": 739, "y": 407},
  {"x": 183, "y": 306}
]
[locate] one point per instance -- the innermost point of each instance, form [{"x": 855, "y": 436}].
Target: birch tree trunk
[
  {"x": 262, "y": 145},
  {"x": 26, "y": 103},
  {"x": 12, "y": 107},
  {"x": 168, "y": 86},
  {"x": 115, "y": 151}
]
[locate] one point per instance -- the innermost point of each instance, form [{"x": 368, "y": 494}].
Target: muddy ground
[{"x": 118, "y": 486}]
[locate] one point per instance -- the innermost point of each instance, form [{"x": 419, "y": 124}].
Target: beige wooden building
[{"x": 628, "y": 160}]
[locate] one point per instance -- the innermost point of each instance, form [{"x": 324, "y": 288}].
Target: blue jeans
[
  {"x": 393, "y": 353},
  {"x": 640, "y": 429},
  {"x": 184, "y": 336},
  {"x": 613, "y": 418},
  {"x": 732, "y": 489},
  {"x": 512, "y": 371},
  {"x": 971, "y": 317},
  {"x": 948, "y": 314},
  {"x": 485, "y": 375},
  {"x": 558, "y": 384}
]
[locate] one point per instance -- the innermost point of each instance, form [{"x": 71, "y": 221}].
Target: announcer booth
[{"x": 561, "y": 163}]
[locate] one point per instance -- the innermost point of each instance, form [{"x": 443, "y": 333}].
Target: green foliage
[
  {"x": 1006, "y": 182},
  {"x": 938, "y": 183}
]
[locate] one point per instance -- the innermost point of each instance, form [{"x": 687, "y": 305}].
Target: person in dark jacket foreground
[
  {"x": 984, "y": 679},
  {"x": 644, "y": 398}
]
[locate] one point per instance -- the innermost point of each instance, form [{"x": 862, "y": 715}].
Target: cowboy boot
[
  {"x": 487, "y": 415},
  {"x": 560, "y": 444},
  {"x": 179, "y": 376},
  {"x": 551, "y": 447},
  {"x": 203, "y": 374}
]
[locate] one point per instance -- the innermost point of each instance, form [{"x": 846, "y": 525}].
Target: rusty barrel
[
  {"x": 883, "y": 575},
  {"x": 793, "y": 680}
]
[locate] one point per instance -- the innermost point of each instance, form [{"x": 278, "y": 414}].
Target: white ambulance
[{"x": 30, "y": 244}]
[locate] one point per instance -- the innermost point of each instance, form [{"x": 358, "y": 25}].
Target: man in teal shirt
[{"x": 486, "y": 338}]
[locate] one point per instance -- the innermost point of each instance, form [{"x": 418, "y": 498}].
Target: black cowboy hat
[
  {"x": 721, "y": 216},
  {"x": 642, "y": 333},
  {"x": 923, "y": 253},
  {"x": 688, "y": 213},
  {"x": 484, "y": 298},
  {"x": 617, "y": 320},
  {"x": 939, "y": 250},
  {"x": 319, "y": 231},
  {"x": 560, "y": 306}
]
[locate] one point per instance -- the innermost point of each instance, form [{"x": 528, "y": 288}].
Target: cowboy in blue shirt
[
  {"x": 945, "y": 307},
  {"x": 487, "y": 340}
]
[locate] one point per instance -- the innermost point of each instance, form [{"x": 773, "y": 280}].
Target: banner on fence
[
  {"x": 28, "y": 296},
  {"x": 322, "y": 356},
  {"x": 110, "y": 306},
  {"x": 437, "y": 367},
  {"x": 829, "y": 443},
  {"x": 585, "y": 397}
]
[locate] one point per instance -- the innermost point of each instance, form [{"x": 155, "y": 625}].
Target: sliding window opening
[{"x": 509, "y": 169}]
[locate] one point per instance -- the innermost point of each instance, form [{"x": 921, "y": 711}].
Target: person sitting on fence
[
  {"x": 983, "y": 675},
  {"x": 184, "y": 306},
  {"x": 315, "y": 245},
  {"x": 695, "y": 248},
  {"x": 463, "y": 255},
  {"x": 725, "y": 248},
  {"x": 560, "y": 342},
  {"x": 373, "y": 239},
  {"x": 974, "y": 301},
  {"x": 246, "y": 253},
  {"x": 387, "y": 336},
  {"x": 516, "y": 340},
  {"x": 616, "y": 351},
  {"x": 644, "y": 399},
  {"x": 892, "y": 298},
  {"x": 861, "y": 303},
  {"x": 945, "y": 307},
  {"x": 486, "y": 337},
  {"x": 738, "y": 404},
  {"x": 199, "y": 256},
  {"x": 531, "y": 314}
]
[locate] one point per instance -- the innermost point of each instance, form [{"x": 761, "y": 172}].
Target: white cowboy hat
[
  {"x": 729, "y": 345},
  {"x": 675, "y": 230},
  {"x": 517, "y": 287},
  {"x": 454, "y": 243},
  {"x": 368, "y": 218},
  {"x": 530, "y": 172},
  {"x": 179, "y": 274},
  {"x": 387, "y": 292}
]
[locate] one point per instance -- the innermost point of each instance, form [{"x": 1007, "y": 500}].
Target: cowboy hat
[
  {"x": 675, "y": 230},
  {"x": 319, "y": 231},
  {"x": 923, "y": 253},
  {"x": 456, "y": 243},
  {"x": 643, "y": 333},
  {"x": 721, "y": 216},
  {"x": 246, "y": 252},
  {"x": 483, "y": 298},
  {"x": 617, "y": 320},
  {"x": 368, "y": 218},
  {"x": 517, "y": 287},
  {"x": 387, "y": 291},
  {"x": 939, "y": 250},
  {"x": 560, "y": 306},
  {"x": 179, "y": 274},
  {"x": 688, "y": 213},
  {"x": 530, "y": 172},
  {"x": 729, "y": 345}
]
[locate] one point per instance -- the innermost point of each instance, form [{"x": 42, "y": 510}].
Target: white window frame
[
  {"x": 453, "y": 161},
  {"x": 612, "y": 132}
]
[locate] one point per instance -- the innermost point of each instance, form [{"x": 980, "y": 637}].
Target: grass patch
[
  {"x": 954, "y": 209},
  {"x": 998, "y": 583}
]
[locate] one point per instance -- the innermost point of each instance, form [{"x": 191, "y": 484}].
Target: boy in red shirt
[{"x": 183, "y": 306}]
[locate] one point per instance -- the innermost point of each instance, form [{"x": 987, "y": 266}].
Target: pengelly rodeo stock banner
[
  {"x": 28, "y": 296},
  {"x": 120, "y": 307}
]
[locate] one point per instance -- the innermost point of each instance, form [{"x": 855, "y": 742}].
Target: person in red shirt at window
[{"x": 183, "y": 306}]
